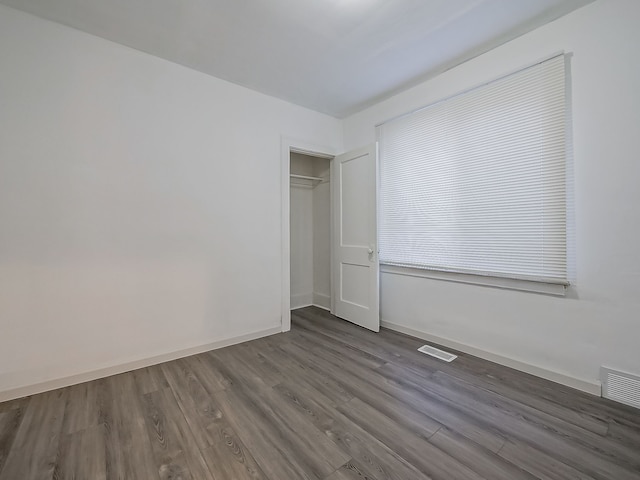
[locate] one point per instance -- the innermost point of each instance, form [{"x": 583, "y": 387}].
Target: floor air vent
[
  {"x": 621, "y": 387},
  {"x": 435, "y": 352}
]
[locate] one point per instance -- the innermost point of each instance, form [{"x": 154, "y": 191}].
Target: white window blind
[{"x": 476, "y": 183}]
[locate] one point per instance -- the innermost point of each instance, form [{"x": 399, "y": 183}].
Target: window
[{"x": 476, "y": 184}]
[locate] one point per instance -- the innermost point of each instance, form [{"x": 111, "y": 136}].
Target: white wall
[
  {"x": 599, "y": 322},
  {"x": 301, "y": 232},
  {"x": 139, "y": 203},
  {"x": 322, "y": 236},
  {"x": 301, "y": 201}
]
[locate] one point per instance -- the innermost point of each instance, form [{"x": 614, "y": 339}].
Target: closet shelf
[{"x": 306, "y": 177}]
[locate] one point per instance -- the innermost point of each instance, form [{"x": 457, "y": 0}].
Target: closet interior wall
[{"x": 310, "y": 232}]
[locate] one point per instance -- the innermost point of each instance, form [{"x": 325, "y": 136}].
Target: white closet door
[{"x": 355, "y": 258}]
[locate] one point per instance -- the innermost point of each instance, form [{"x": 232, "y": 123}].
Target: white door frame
[{"x": 289, "y": 145}]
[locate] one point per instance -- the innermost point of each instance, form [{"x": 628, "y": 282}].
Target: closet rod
[{"x": 305, "y": 177}]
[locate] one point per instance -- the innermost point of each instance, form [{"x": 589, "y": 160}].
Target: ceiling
[{"x": 333, "y": 56}]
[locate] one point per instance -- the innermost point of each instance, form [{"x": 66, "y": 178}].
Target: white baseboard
[
  {"x": 67, "y": 381},
  {"x": 321, "y": 300},
  {"x": 301, "y": 300},
  {"x": 590, "y": 386},
  {"x": 328, "y": 309}
]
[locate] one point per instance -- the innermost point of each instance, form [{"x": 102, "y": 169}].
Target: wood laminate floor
[{"x": 327, "y": 400}]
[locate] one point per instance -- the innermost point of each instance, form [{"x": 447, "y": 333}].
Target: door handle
[{"x": 370, "y": 251}]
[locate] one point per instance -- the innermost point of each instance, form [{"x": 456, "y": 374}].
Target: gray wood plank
[
  {"x": 81, "y": 411},
  {"x": 350, "y": 471},
  {"x": 247, "y": 368},
  {"x": 310, "y": 448},
  {"x": 127, "y": 447},
  {"x": 416, "y": 450},
  {"x": 624, "y": 435},
  {"x": 255, "y": 359},
  {"x": 307, "y": 451},
  {"x": 372, "y": 457},
  {"x": 229, "y": 458},
  {"x": 344, "y": 350},
  {"x": 482, "y": 460},
  {"x": 10, "y": 421},
  {"x": 174, "y": 447},
  {"x": 82, "y": 454},
  {"x": 14, "y": 404},
  {"x": 109, "y": 418},
  {"x": 312, "y": 375},
  {"x": 539, "y": 464},
  {"x": 268, "y": 451},
  {"x": 193, "y": 400},
  {"x": 35, "y": 447},
  {"x": 150, "y": 379},
  {"x": 205, "y": 370}
]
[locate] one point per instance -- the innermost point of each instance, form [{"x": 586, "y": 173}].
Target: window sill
[{"x": 555, "y": 289}]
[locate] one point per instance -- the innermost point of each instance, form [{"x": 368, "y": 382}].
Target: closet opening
[{"x": 310, "y": 227}]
